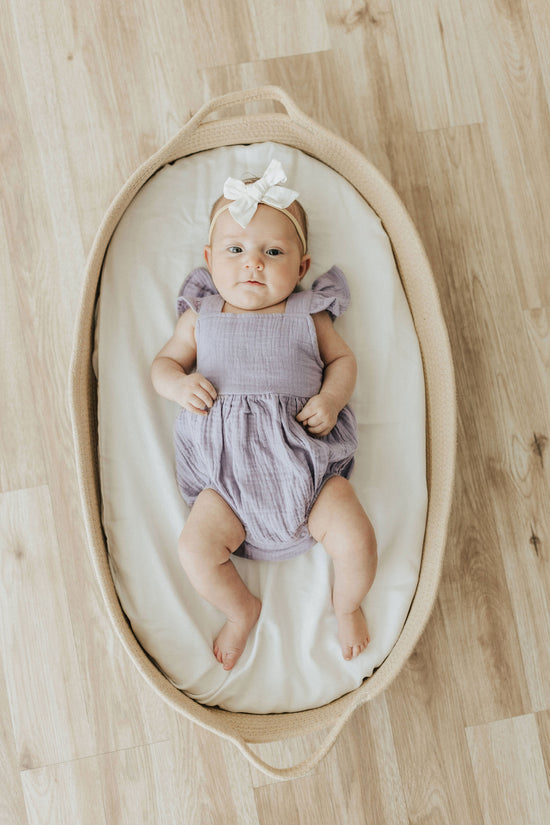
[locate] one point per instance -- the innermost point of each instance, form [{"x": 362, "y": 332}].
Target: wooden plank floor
[{"x": 450, "y": 100}]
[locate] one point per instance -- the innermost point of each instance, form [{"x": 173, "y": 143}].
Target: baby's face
[{"x": 258, "y": 267}]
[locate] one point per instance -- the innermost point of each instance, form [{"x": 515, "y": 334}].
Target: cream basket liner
[{"x": 300, "y": 132}]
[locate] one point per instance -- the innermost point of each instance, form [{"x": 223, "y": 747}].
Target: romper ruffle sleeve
[
  {"x": 197, "y": 286},
  {"x": 330, "y": 292}
]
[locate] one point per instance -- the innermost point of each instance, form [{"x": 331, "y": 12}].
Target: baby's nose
[{"x": 254, "y": 261}]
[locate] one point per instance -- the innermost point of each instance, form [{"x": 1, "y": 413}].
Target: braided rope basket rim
[{"x": 297, "y": 130}]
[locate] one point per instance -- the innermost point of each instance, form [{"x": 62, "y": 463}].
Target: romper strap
[{"x": 298, "y": 303}]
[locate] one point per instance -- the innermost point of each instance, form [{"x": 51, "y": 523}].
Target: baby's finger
[
  {"x": 305, "y": 413},
  {"x": 206, "y": 385},
  {"x": 314, "y": 420},
  {"x": 320, "y": 428},
  {"x": 196, "y": 408},
  {"x": 203, "y": 397}
]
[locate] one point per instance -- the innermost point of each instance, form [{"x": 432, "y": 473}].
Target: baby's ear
[
  {"x": 208, "y": 256},
  {"x": 304, "y": 265}
]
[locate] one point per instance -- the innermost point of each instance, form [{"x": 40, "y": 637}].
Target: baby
[{"x": 265, "y": 440}]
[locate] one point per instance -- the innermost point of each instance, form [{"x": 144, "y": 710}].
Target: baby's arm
[
  {"x": 171, "y": 370},
  {"x": 321, "y": 411}
]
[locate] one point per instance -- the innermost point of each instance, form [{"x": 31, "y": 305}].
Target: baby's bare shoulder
[
  {"x": 182, "y": 345},
  {"x": 187, "y": 321},
  {"x": 324, "y": 326},
  {"x": 322, "y": 320},
  {"x": 184, "y": 331}
]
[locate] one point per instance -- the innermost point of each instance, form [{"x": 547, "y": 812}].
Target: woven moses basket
[{"x": 294, "y": 129}]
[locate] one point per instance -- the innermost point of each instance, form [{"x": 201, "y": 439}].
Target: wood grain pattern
[
  {"x": 12, "y": 802},
  {"x": 509, "y": 771},
  {"x": 426, "y": 711},
  {"x": 540, "y": 24},
  {"x": 370, "y": 781},
  {"x": 44, "y": 688},
  {"x": 516, "y": 115},
  {"x": 450, "y": 101},
  {"x": 482, "y": 294},
  {"x": 129, "y": 786},
  {"x": 516, "y": 509},
  {"x": 441, "y": 77},
  {"x": 245, "y": 31},
  {"x": 543, "y": 725},
  {"x": 21, "y": 458}
]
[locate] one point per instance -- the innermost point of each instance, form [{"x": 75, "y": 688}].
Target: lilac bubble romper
[{"x": 249, "y": 448}]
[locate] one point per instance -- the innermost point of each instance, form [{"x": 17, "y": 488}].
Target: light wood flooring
[{"x": 450, "y": 100}]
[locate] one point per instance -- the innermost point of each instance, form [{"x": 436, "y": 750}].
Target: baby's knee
[
  {"x": 196, "y": 554},
  {"x": 208, "y": 539},
  {"x": 339, "y": 488},
  {"x": 329, "y": 510}
]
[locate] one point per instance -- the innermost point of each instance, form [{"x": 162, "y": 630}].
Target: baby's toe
[
  {"x": 229, "y": 659},
  {"x": 351, "y": 651}
]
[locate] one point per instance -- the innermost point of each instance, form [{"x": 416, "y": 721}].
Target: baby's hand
[
  {"x": 195, "y": 393},
  {"x": 319, "y": 414}
]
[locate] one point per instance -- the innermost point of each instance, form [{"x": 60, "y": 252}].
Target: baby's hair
[{"x": 301, "y": 214}]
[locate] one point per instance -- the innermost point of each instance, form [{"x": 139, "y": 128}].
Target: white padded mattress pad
[{"x": 292, "y": 660}]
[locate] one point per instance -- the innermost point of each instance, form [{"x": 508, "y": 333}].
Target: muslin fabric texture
[{"x": 249, "y": 448}]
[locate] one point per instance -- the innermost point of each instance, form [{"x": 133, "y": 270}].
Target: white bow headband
[{"x": 247, "y": 196}]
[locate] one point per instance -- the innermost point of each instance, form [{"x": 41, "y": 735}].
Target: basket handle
[
  {"x": 300, "y": 768},
  {"x": 248, "y": 96}
]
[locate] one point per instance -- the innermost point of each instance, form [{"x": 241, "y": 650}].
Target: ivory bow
[{"x": 247, "y": 196}]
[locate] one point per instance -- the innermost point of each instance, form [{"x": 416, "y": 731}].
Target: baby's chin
[{"x": 250, "y": 299}]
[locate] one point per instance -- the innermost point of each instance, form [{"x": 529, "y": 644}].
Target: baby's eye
[
  {"x": 273, "y": 252},
  {"x": 234, "y": 249}
]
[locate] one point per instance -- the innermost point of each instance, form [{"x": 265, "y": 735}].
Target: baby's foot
[
  {"x": 231, "y": 640},
  {"x": 353, "y": 633}
]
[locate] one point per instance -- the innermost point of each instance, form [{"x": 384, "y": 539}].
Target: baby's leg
[
  {"x": 339, "y": 522},
  {"x": 211, "y": 533}
]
